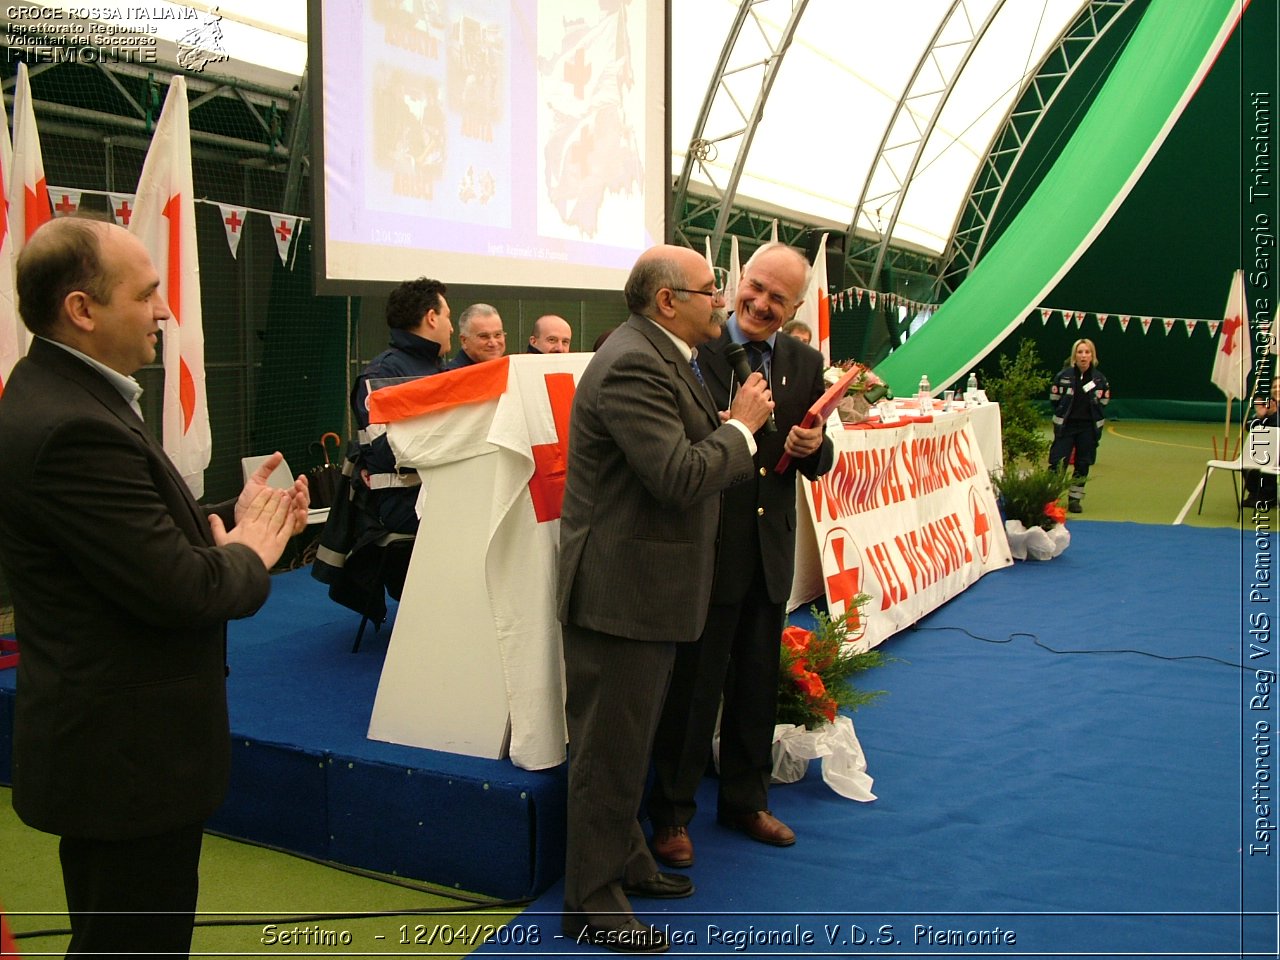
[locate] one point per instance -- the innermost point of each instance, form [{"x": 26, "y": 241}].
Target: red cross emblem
[
  {"x": 842, "y": 569},
  {"x": 981, "y": 524}
]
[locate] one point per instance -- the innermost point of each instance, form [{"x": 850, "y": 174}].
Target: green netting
[{"x": 1125, "y": 124}]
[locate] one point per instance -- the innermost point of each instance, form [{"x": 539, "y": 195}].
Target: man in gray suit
[{"x": 648, "y": 457}]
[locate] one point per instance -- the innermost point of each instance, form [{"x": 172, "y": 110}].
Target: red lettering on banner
[
  {"x": 859, "y": 480},
  {"x": 892, "y": 589},
  {"x": 934, "y": 552},
  {"x": 962, "y": 465},
  {"x": 546, "y": 486}
]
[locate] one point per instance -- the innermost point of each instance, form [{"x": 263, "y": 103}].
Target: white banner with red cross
[
  {"x": 907, "y": 516},
  {"x": 474, "y": 662}
]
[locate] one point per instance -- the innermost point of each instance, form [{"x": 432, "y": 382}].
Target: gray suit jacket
[
  {"x": 647, "y": 460},
  {"x": 121, "y": 601}
]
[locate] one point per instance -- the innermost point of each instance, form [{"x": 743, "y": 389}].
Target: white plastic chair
[{"x": 1261, "y": 452}]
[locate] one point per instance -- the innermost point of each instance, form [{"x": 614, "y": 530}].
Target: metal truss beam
[
  {"x": 725, "y": 122},
  {"x": 971, "y": 230},
  {"x": 907, "y": 134},
  {"x": 138, "y": 90}
]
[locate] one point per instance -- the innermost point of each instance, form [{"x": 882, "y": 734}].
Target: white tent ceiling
[{"x": 833, "y": 97}]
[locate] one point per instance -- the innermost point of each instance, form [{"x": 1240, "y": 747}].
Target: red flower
[
  {"x": 811, "y": 685},
  {"x": 1055, "y": 512},
  {"x": 797, "y": 639},
  {"x": 828, "y": 708}
]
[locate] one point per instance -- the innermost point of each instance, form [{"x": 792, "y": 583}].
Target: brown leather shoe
[
  {"x": 761, "y": 825},
  {"x": 672, "y": 846}
]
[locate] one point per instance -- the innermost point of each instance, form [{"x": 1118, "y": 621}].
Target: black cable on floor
[{"x": 1034, "y": 638}]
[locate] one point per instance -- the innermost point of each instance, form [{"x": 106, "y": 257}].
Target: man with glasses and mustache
[
  {"x": 649, "y": 453},
  {"x": 737, "y": 654}
]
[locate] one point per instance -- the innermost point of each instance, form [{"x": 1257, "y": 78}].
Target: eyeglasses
[{"x": 720, "y": 277}]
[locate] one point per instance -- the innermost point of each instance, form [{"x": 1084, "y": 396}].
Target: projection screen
[{"x": 515, "y": 143}]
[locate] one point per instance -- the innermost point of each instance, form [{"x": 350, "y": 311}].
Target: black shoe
[
  {"x": 661, "y": 886},
  {"x": 1073, "y": 506},
  {"x": 629, "y": 936}
]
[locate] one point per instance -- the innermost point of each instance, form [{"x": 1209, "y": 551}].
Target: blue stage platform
[{"x": 305, "y": 778}]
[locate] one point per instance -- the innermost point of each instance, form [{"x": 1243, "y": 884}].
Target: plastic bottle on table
[
  {"x": 972, "y": 385},
  {"x": 925, "y": 394}
]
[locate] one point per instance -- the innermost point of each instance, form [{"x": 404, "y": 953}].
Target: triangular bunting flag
[
  {"x": 858, "y": 293},
  {"x": 233, "y": 224},
  {"x": 1102, "y": 320},
  {"x": 1079, "y": 319},
  {"x": 1045, "y": 312},
  {"x": 1124, "y": 321},
  {"x": 1213, "y": 327},
  {"x": 283, "y": 227},
  {"x": 871, "y": 296},
  {"x": 1190, "y": 325},
  {"x": 65, "y": 201},
  {"x": 1066, "y": 319},
  {"x": 122, "y": 205},
  {"x": 1168, "y": 326},
  {"x": 1146, "y": 324}
]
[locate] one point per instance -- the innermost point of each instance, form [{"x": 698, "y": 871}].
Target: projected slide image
[
  {"x": 504, "y": 142},
  {"x": 591, "y": 168},
  {"x": 409, "y": 141},
  {"x": 414, "y": 25}
]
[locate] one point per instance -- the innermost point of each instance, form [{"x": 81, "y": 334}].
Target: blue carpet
[{"x": 1087, "y": 802}]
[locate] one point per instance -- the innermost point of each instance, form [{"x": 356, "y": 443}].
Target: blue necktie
[{"x": 697, "y": 371}]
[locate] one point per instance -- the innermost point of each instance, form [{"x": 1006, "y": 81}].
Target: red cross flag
[
  {"x": 233, "y": 223},
  {"x": 12, "y": 338},
  {"x": 284, "y": 227},
  {"x": 1232, "y": 359},
  {"x": 815, "y": 311},
  {"x": 164, "y": 219},
  {"x": 121, "y": 207},
  {"x": 28, "y": 193}
]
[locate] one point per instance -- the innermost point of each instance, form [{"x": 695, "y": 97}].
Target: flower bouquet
[
  {"x": 864, "y": 390},
  {"x": 813, "y": 683},
  {"x": 1035, "y": 521}
]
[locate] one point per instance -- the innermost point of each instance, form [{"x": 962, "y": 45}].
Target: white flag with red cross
[{"x": 164, "y": 219}]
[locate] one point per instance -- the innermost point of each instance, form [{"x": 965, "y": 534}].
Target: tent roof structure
[{"x": 885, "y": 108}]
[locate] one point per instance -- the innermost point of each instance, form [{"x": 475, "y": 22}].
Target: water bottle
[
  {"x": 972, "y": 386},
  {"x": 925, "y": 392}
]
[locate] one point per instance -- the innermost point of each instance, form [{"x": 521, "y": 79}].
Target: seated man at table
[
  {"x": 421, "y": 332},
  {"x": 551, "y": 334},
  {"x": 481, "y": 335}
]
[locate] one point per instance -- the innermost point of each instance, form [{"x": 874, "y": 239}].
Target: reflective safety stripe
[
  {"x": 371, "y": 433},
  {"x": 332, "y": 557},
  {"x": 388, "y": 481}
]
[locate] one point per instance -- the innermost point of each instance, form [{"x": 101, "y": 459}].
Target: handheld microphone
[{"x": 737, "y": 358}]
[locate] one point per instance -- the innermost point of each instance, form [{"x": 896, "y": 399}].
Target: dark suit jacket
[
  {"x": 648, "y": 458},
  {"x": 121, "y": 601},
  {"x": 770, "y": 502}
]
